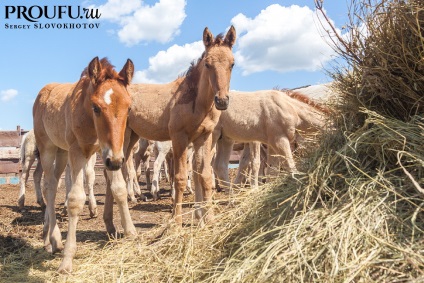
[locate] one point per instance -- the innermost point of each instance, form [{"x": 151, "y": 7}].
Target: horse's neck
[
  {"x": 81, "y": 106},
  {"x": 309, "y": 115},
  {"x": 87, "y": 91},
  {"x": 205, "y": 97}
]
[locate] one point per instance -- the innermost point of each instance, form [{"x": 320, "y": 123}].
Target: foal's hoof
[
  {"x": 21, "y": 204},
  {"x": 209, "y": 218},
  {"x": 66, "y": 266},
  {"x": 42, "y": 205},
  {"x": 48, "y": 248},
  {"x": 93, "y": 213},
  {"x": 132, "y": 199},
  {"x": 57, "y": 247},
  {"x": 155, "y": 195},
  {"x": 52, "y": 249},
  {"x": 111, "y": 232},
  {"x": 131, "y": 234},
  {"x": 64, "y": 212}
]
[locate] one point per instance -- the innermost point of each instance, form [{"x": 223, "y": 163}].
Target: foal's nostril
[
  {"x": 108, "y": 162},
  {"x": 114, "y": 165},
  {"x": 221, "y": 103}
]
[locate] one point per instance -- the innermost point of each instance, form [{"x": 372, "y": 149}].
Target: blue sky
[{"x": 278, "y": 44}]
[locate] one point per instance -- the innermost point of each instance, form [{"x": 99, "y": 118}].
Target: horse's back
[
  {"x": 150, "y": 110},
  {"x": 49, "y": 113},
  {"x": 52, "y": 95},
  {"x": 250, "y": 115}
]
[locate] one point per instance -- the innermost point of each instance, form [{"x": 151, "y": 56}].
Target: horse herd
[{"x": 104, "y": 113}]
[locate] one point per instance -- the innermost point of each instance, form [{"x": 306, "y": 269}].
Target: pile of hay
[{"x": 356, "y": 214}]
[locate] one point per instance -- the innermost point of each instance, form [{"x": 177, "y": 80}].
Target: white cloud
[
  {"x": 114, "y": 10},
  {"x": 9, "y": 94},
  {"x": 281, "y": 39},
  {"x": 141, "y": 23},
  {"x": 165, "y": 66}
]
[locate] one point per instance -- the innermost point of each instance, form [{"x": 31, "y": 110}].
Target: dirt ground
[{"x": 21, "y": 226}]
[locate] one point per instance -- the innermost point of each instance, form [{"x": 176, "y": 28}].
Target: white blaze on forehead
[{"x": 107, "y": 98}]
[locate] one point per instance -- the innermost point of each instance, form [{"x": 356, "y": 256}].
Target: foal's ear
[
  {"x": 94, "y": 69},
  {"x": 127, "y": 72},
  {"x": 207, "y": 37},
  {"x": 230, "y": 38}
]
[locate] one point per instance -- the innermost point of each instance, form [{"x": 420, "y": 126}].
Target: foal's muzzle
[
  {"x": 113, "y": 165},
  {"x": 222, "y": 103},
  {"x": 112, "y": 161}
]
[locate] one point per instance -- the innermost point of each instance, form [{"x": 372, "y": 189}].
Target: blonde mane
[{"x": 305, "y": 99}]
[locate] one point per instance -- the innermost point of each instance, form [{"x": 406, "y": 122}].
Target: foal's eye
[
  {"x": 232, "y": 66},
  {"x": 96, "y": 109},
  {"x": 207, "y": 65}
]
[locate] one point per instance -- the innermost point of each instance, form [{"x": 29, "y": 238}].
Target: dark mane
[
  {"x": 107, "y": 71},
  {"x": 192, "y": 75},
  {"x": 303, "y": 98},
  {"x": 191, "y": 81}
]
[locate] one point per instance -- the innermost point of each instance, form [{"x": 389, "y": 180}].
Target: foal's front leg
[
  {"x": 108, "y": 208},
  {"x": 243, "y": 168},
  {"x": 26, "y": 166},
  {"x": 203, "y": 173},
  {"x": 90, "y": 176},
  {"x": 255, "y": 163},
  {"x": 120, "y": 194},
  {"x": 160, "y": 159},
  {"x": 128, "y": 170},
  {"x": 51, "y": 233},
  {"x": 76, "y": 200},
  {"x": 222, "y": 160},
  {"x": 179, "y": 145},
  {"x": 37, "y": 175}
]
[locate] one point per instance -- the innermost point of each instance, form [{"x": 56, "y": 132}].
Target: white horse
[
  {"x": 29, "y": 152},
  {"x": 247, "y": 163},
  {"x": 142, "y": 159},
  {"x": 271, "y": 117},
  {"x": 161, "y": 151},
  {"x": 163, "y": 155},
  {"x": 131, "y": 177}
]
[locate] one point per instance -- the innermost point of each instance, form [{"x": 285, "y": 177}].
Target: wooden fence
[{"x": 10, "y": 151}]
